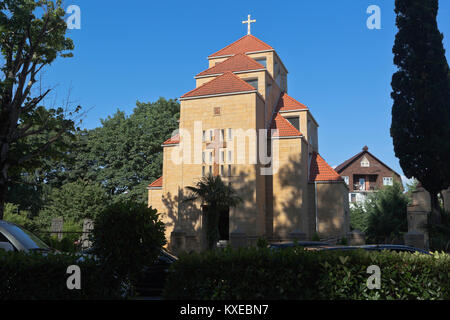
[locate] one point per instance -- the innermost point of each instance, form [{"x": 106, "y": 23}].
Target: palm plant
[{"x": 215, "y": 197}]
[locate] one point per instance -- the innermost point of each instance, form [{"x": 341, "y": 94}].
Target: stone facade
[{"x": 292, "y": 201}]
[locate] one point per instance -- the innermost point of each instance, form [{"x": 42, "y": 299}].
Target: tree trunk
[{"x": 435, "y": 208}]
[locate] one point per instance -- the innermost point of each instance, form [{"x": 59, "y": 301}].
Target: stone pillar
[
  {"x": 178, "y": 241},
  {"x": 415, "y": 239},
  {"x": 446, "y": 196},
  {"x": 356, "y": 238},
  {"x": 297, "y": 235},
  {"x": 238, "y": 239},
  {"x": 418, "y": 212}
]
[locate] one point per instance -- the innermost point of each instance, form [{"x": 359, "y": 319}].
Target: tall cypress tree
[{"x": 421, "y": 93}]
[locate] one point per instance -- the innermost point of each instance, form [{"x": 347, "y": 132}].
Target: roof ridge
[
  {"x": 228, "y": 46},
  {"x": 229, "y": 60},
  {"x": 252, "y": 37},
  {"x": 210, "y": 83}
]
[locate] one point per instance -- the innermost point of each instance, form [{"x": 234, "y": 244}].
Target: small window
[
  {"x": 222, "y": 135},
  {"x": 347, "y": 180},
  {"x": 222, "y": 156},
  {"x": 211, "y": 135},
  {"x": 204, "y": 157},
  {"x": 230, "y": 171},
  {"x": 222, "y": 171},
  {"x": 353, "y": 197},
  {"x": 210, "y": 170},
  {"x": 262, "y": 61},
  {"x": 203, "y": 171},
  {"x": 204, "y": 136},
  {"x": 253, "y": 83},
  {"x": 295, "y": 121},
  {"x": 230, "y": 134},
  {"x": 230, "y": 157},
  {"x": 365, "y": 163},
  {"x": 388, "y": 181}
]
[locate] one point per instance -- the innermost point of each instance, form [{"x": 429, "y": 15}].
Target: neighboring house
[
  {"x": 244, "y": 90},
  {"x": 364, "y": 173}
]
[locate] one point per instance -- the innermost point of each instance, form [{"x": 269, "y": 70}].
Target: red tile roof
[
  {"x": 158, "y": 183},
  {"x": 226, "y": 83},
  {"x": 239, "y": 62},
  {"x": 320, "y": 170},
  {"x": 245, "y": 44},
  {"x": 285, "y": 128},
  {"x": 287, "y": 103},
  {"x": 173, "y": 140}
]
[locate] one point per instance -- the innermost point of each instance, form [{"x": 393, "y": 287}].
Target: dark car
[
  {"x": 310, "y": 245},
  {"x": 152, "y": 278},
  {"x": 16, "y": 238},
  {"x": 381, "y": 247},
  {"x": 151, "y": 281}
]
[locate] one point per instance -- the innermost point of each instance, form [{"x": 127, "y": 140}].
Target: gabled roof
[
  {"x": 239, "y": 62},
  {"x": 285, "y": 128},
  {"x": 172, "y": 140},
  {"x": 226, "y": 83},
  {"x": 248, "y": 43},
  {"x": 287, "y": 103},
  {"x": 320, "y": 170},
  {"x": 365, "y": 150},
  {"x": 158, "y": 183}
]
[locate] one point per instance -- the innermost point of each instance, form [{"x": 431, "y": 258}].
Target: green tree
[
  {"x": 421, "y": 92},
  {"x": 32, "y": 36},
  {"x": 387, "y": 215},
  {"x": 215, "y": 196},
  {"x": 75, "y": 201},
  {"x": 124, "y": 154},
  {"x": 359, "y": 218},
  {"x": 127, "y": 236}
]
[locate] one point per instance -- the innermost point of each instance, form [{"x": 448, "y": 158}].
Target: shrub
[
  {"x": 127, "y": 236},
  {"x": 255, "y": 273},
  {"x": 25, "y": 276}
]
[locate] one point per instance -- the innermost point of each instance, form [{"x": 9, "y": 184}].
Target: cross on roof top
[{"x": 249, "y": 22}]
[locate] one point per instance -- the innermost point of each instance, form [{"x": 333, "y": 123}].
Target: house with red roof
[{"x": 240, "y": 123}]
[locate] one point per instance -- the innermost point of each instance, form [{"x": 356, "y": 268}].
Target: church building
[{"x": 240, "y": 123}]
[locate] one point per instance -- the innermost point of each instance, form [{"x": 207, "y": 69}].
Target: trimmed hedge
[
  {"x": 39, "y": 276},
  {"x": 252, "y": 273}
]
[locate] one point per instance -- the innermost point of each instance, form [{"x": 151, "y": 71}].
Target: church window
[
  {"x": 222, "y": 156},
  {"x": 211, "y": 135},
  {"x": 204, "y": 157},
  {"x": 222, "y": 170},
  {"x": 230, "y": 157},
  {"x": 210, "y": 157},
  {"x": 295, "y": 121},
  {"x": 222, "y": 135},
  {"x": 204, "y": 136},
  {"x": 210, "y": 170},
  {"x": 203, "y": 171},
  {"x": 262, "y": 61},
  {"x": 230, "y": 170},
  {"x": 253, "y": 83}
]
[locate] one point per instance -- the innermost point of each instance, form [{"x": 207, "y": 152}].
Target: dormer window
[
  {"x": 262, "y": 61},
  {"x": 365, "y": 163},
  {"x": 295, "y": 121},
  {"x": 253, "y": 83}
]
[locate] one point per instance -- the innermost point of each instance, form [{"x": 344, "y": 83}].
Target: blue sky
[{"x": 142, "y": 50}]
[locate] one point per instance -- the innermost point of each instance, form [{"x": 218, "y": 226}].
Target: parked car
[
  {"x": 309, "y": 245},
  {"x": 152, "y": 279},
  {"x": 16, "y": 238},
  {"x": 381, "y": 247}
]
